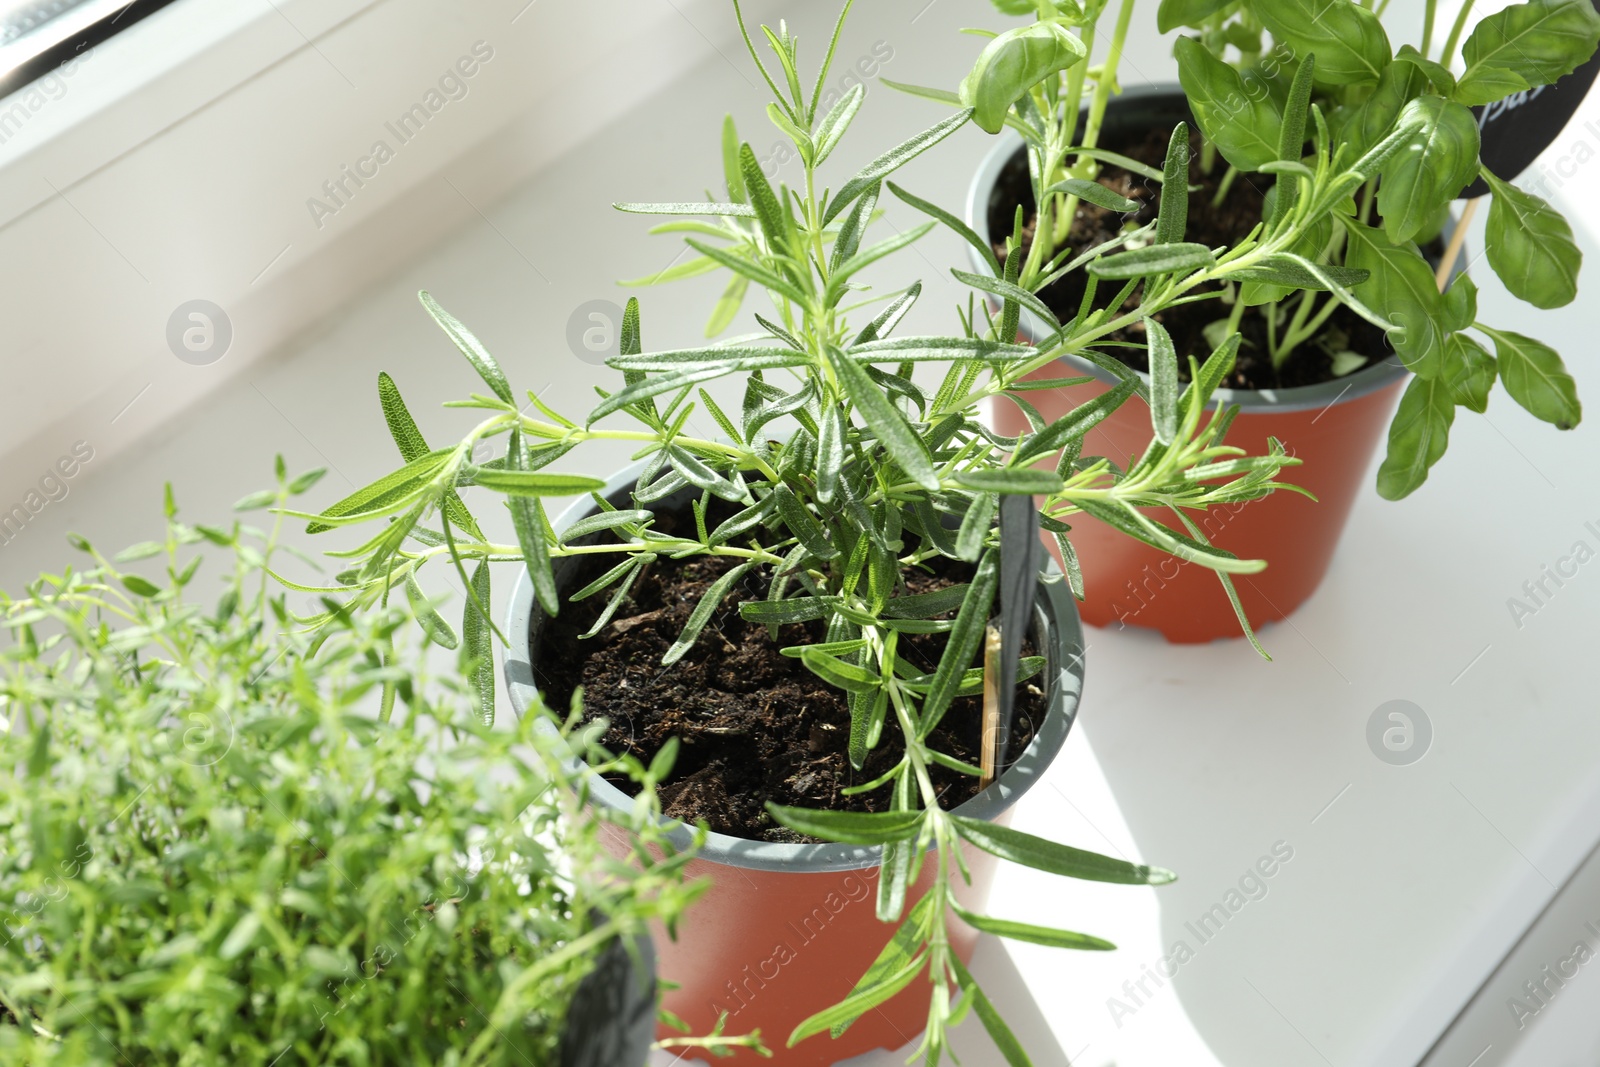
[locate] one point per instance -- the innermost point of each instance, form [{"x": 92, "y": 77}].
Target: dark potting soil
[
  {"x": 753, "y": 725},
  {"x": 1223, "y": 225}
]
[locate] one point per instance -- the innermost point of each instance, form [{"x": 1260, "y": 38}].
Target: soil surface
[
  {"x": 753, "y": 725},
  {"x": 1223, "y": 225}
]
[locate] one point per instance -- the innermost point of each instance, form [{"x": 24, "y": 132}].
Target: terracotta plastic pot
[
  {"x": 786, "y": 930},
  {"x": 1334, "y": 428},
  {"x": 612, "y": 1019}
]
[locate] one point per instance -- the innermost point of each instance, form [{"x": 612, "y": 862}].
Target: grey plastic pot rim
[
  {"x": 1369, "y": 379},
  {"x": 1064, "y": 663}
]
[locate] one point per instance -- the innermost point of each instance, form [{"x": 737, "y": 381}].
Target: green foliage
[
  {"x": 1417, "y": 436},
  {"x": 1013, "y": 63},
  {"x": 1389, "y": 132},
  {"x": 1243, "y": 125},
  {"x": 1526, "y": 45},
  {"x": 1438, "y": 163},
  {"x": 857, "y": 455},
  {"x": 220, "y": 844},
  {"x": 1400, "y": 120},
  {"x": 1347, "y": 39},
  {"x": 1530, "y": 247}
]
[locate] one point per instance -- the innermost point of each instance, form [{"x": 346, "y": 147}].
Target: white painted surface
[
  {"x": 1407, "y": 885},
  {"x": 177, "y": 161}
]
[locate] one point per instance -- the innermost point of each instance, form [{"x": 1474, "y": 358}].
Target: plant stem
[
  {"x": 1456, "y": 30},
  {"x": 1295, "y": 333},
  {"x": 1314, "y": 326},
  {"x": 1223, "y": 186},
  {"x": 1447, "y": 262},
  {"x": 1108, "y": 75}
]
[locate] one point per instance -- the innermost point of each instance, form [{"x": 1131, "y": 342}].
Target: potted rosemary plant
[
  {"x": 227, "y": 840},
  {"x": 799, "y": 607},
  {"x": 1319, "y": 371}
]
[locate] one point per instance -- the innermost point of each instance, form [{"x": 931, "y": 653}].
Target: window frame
[{"x": 63, "y": 38}]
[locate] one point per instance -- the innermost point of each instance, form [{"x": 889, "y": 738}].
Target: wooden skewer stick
[
  {"x": 1453, "y": 252},
  {"x": 991, "y": 703}
]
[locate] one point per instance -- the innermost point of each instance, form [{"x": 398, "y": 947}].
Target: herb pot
[
  {"x": 1333, "y": 427},
  {"x": 785, "y": 930},
  {"x": 612, "y": 1019}
]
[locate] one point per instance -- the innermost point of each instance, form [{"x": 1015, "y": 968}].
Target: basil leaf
[
  {"x": 1536, "y": 378},
  {"x": 1530, "y": 246},
  {"x": 1402, "y": 289},
  {"x": 1372, "y": 121},
  {"x": 1470, "y": 370},
  {"x": 1439, "y": 160},
  {"x": 1240, "y": 120},
  {"x": 1347, "y": 39},
  {"x": 1443, "y": 82},
  {"x": 1526, "y": 45},
  {"x": 1013, "y": 63},
  {"x": 1418, "y": 436},
  {"x": 1191, "y": 13}
]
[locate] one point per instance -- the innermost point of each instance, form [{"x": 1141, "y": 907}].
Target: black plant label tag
[
  {"x": 1515, "y": 130},
  {"x": 1019, "y": 573}
]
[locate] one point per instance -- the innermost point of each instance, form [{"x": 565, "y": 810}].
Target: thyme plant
[
  {"x": 849, "y": 465},
  {"x": 217, "y": 845},
  {"x": 1367, "y": 90}
]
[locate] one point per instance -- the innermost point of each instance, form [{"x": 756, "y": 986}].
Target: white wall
[{"x": 176, "y": 162}]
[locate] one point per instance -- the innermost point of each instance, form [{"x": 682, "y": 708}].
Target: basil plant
[
  {"x": 1240, "y": 87},
  {"x": 856, "y": 456}
]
